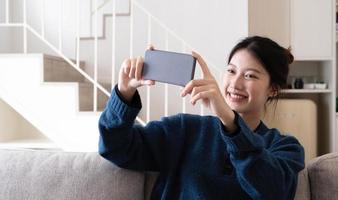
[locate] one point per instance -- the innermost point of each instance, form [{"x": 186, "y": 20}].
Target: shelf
[
  {"x": 302, "y": 91},
  {"x": 28, "y": 144}
]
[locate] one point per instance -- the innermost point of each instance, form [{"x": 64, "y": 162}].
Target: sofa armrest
[
  {"x": 323, "y": 177},
  {"x": 303, "y": 187}
]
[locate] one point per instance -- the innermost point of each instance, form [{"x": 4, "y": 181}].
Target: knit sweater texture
[{"x": 197, "y": 158}]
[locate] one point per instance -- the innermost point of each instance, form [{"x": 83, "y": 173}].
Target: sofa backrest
[{"x": 35, "y": 175}]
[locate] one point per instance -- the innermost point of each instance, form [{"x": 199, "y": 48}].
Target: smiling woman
[
  {"x": 257, "y": 70},
  {"x": 232, "y": 155}
]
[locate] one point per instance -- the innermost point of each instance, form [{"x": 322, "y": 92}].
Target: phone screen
[{"x": 168, "y": 67}]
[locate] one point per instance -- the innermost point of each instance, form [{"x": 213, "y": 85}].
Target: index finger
[
  {"x": 151, "y": 47},
  {"x": 203, "y": 64}
]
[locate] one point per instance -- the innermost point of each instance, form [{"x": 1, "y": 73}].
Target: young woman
[{"x": 230, "y": 156}]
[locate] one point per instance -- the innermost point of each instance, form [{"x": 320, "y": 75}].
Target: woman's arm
[
  {"x": 266, "y": 166},
  {"x": 128, "y": 145}
]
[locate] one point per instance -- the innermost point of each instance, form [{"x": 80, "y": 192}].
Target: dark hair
[{"x": 274, "y": 58}]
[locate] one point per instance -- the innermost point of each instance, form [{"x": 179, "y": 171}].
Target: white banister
[
  {"x": 166, "y": 92},
  {"x": 166, "y": 100},
  {"x": 184, "y": 99},
  {"x": 96, "y": 84},
  {"x": 148, "y": 87},
  {"x": 42, "y": 10},
  {"x": 60, "y": 19},
  {"x": 131, "y": 29},
  {"x": 12, "y": 25},
  {"x": 91, "y": 19},
  {"x": 202, "y": 109},
  {"x": 201, "y": 105},
  {"x": 7, "y": 11},
  {"x": 95, "y": 58},
  {"x": 83, "y": 73},
  {"x": 78, "y": 33},
  {"x": 171, "y": 32},
  {"x": 113, "y": 45},
  {"x": 134, "y": 4},
  {"x": 24, "y": 27}
]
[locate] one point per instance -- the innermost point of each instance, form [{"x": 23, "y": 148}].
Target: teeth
[{"x": 236, "y": 96}]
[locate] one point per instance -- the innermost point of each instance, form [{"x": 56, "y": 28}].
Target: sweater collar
[{"x": 261, "y": 128}]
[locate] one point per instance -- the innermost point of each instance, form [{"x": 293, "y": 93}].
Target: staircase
[
  {"x": 42, "y": 103},
  {"x": 55, "y": 69},
  {"x": 52, "y": 95}
]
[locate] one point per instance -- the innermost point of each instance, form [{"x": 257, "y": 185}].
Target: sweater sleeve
[
  {"x": 265, "y": 172},
  {"x": 127, "y": 144}
]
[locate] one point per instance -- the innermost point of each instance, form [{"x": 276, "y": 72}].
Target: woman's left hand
[{"x": 207, "y": 90}]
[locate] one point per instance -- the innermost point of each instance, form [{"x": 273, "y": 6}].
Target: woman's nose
[{"x": 236, "y": 82}]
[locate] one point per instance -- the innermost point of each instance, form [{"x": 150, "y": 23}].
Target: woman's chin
[{"x": 235, "y": 106}]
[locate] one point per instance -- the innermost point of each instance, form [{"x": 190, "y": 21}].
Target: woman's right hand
[{"x": 130, "y": 77}]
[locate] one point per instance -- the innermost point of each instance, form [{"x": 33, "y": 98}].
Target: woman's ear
[{"x": 273, "y": 92}]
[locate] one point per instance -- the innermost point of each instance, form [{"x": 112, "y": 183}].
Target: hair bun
[{"x": 289, "y": 55}]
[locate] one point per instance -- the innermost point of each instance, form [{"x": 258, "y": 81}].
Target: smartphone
[{"x": 168, "y": 67}]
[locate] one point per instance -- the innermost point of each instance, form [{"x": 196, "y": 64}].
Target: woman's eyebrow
[
  {"x": 232, "y": 64},
  {"x": 254, "y": 69},
  {"x": 247, "y": 69}
]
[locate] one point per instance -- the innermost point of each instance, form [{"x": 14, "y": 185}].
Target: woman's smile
[{"x": 236, "y": 97}]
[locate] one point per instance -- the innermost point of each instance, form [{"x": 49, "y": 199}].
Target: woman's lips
[{"x": 235, "y": 97}]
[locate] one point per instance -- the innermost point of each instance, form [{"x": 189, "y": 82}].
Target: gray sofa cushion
[
  {"x": 323, "y": 177},
  {"x": 35, "y": 175}
]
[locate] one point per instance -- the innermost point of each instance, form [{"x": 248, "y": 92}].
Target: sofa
[{"x": 44, "y": 175}]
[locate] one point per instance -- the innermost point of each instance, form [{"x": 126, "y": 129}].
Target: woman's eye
[
  {"x": 230, "y": 71},
  {"x": 250, "y": 76}
]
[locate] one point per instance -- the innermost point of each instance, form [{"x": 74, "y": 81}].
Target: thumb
[{"x": 147, "y": 82}]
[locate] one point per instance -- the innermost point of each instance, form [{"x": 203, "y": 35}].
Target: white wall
[
  {"x": 7, "y": 41},
  {"x": 2, "y": 11},
  {"x": 9, "y": 122},
  {"x": 4, "y": 39},
  {"x": 14, "y": 126},
  {"x": 212, "y": 27}
]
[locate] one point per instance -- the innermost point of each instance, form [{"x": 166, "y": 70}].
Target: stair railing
[
  {"x": 168, "y": 31},
  {"x": 94, "y": 80}
]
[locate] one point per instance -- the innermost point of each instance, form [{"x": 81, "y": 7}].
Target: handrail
[
  {"x": 169, "y": 30},
  {"x": 133, "y": 4},
  {"x": 67, "y": 60},
  {"x": 99, "y": 7},
  {"x": 96, "y": 84},
  {"x": 70, "y": 63},
  {"x": 104, "y": 3}
]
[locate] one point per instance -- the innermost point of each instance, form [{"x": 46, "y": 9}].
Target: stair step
[
  {"x": 56, "y": 69},
  {"x": 86, "y": 93}
]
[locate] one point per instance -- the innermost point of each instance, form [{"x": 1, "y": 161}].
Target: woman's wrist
[
  {"x": 228, "y": 120},
  {"x": 126, "y": 93}
]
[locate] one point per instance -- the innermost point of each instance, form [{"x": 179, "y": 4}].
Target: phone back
[{"x": 168, "y": 67}]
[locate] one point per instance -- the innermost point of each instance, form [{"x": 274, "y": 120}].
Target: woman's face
[{"x": 246, "y": 84}]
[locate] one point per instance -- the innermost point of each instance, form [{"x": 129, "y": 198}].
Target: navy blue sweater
[{"x": 197, "y": 158}]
